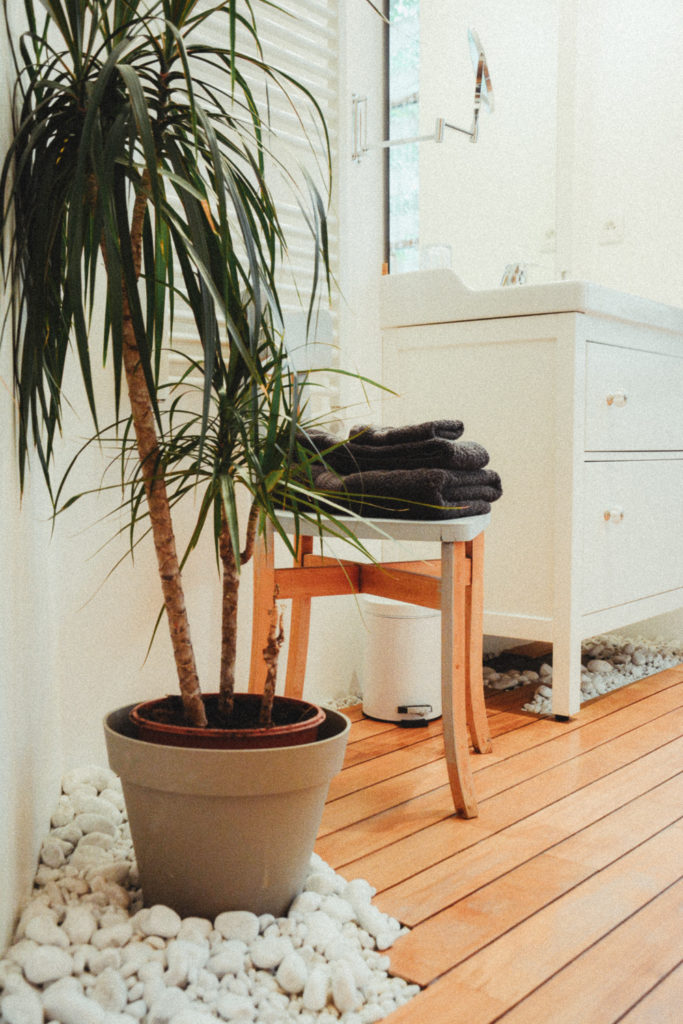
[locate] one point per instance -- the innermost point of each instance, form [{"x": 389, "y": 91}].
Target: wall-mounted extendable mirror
[{"x": 483, "y": 99}]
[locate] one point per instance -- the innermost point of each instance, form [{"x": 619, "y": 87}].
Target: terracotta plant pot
[
  {"x": 231, "y": 829},
  {"x": 295, "y": 722}
]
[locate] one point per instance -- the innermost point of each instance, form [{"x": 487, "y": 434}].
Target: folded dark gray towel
[
  {"x": 433, "y": 452},
  {"x": 399, "y": 494},
  {"x": 479, "y": 483},
  {"x": 366, "y": 433}
]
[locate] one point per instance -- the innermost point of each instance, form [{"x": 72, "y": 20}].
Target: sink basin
[{"x": 439, "y": 296}]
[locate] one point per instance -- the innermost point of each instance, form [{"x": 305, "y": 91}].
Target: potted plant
[{"x": 137, "y": 175}]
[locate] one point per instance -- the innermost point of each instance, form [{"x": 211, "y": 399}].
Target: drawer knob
[
  {"x": 616, "y": 398},
  {"x": 613, "y": 515}
]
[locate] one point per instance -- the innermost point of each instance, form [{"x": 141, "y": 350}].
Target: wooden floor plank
[
  {"x": 559, "y": 903},
  {"x": 451, "y": 936},
  {"x": 590, "y": 989},
  {"x": 431, "y": 890},
  {"x": 662, "y": 1004},
  {"x": 373, "y": 831},
  {"x": 419, "y": 851}
]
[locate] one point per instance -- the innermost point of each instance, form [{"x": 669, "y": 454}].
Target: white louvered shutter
[{"x": 300, "y": 38}]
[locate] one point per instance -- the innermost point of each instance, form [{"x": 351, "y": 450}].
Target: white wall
[
  {"x": 30, "y": 749},
  {"x": 628, "y": 149},
  {"x": 492, "y": 201},
  {"x": 586, "y": 131},
  {"x": 627, "y": 159}
]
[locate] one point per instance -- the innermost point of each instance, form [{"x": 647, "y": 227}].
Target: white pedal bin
[{"x": 402, "y": 664}]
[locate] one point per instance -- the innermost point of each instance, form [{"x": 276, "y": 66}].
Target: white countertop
[{"x": 439, "y": 296}]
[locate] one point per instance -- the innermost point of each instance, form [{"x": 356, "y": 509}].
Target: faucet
[{"x": 514, "y": 273}]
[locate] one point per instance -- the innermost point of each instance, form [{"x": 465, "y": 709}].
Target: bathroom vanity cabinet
[{"x": 577, "y": 393}]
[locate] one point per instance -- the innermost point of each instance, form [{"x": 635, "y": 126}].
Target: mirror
[{"x": 483, "y": 93}]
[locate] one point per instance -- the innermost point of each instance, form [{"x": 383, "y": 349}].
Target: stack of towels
[{"x": 417, "y": 472}]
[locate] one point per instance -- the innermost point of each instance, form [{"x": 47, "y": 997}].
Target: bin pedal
[{"x": 420, "y": 710}]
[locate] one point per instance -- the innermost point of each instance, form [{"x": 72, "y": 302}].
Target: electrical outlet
[
  {"x": 549, "y": 240},
  {"x": 612, "y": 230}
]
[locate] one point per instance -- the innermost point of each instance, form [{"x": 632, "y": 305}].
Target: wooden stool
[{"x": 453, "y": 584}]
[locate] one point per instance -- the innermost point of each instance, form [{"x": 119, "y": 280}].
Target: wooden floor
[{"x": 562, "y": 902}]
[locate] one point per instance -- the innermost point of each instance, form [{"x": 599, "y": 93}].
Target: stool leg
[
  {"x": 298, "y": 631},
  {"x": 264, "y": 584},
  {"x": 477, "y": 718},
  {"x": 453, "y": 681}
]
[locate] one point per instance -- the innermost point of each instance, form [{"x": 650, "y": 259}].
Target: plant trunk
[
  {"x": 231, "y": 583},
  {"x": 157, "y": 497},
  {"x": 271, "y": 655}
]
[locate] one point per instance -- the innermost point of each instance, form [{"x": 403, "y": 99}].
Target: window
[{"x": 404, "y": 115}]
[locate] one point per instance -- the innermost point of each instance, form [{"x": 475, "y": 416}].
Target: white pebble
[
  {"x": 100, "y": 959},
  {"x": 138, "y": 1009},
  {"x": 337, "y": 908},
  {"x": 185, "y": 960},
  {"x": 193, "y": 1016},
  {"x": 101, "y": 839},
  {"x": 504, "y": 682},
  {"x": 110, "y": 991},
  {"x": 115, "y": 797},
  {"x": 195, "y": 929},
  {"x": 22, "y": 1007},
  {"x": 154, "y": 967},
  {"x": 89, "y": 822},
  {"x": 345, "y": 995},
  {"x": 46, "y": 964},
  {"x": 115, "y": 935},
  {"x": 292, "y": 974},
  {"x": 316, "y": 989},
  {"x": 89, "y": 775},
  {"x": 45, "y": 932},
  {"x": 117, "y": 872},
  {"x": 305, "y": 903},
  {"x": 37, "y": 907},
  {"x": 54, "y": 851},
  {"x": 170, "y": 1002},
  {"x": 64, "y": 812},
  {"x": 599, "y": 666},
  {"x": 371, "y": 919},
  {"x": 268, "y": 953},
  {"x": 237, "y": 924},
  {"x": 84, "y": 803},
  {"x": 320, "y": 929},
  {"x": 65, "y": 1002},
  {"x": 543, "y": 691},
  {"x": 545, "y": 669},
  {"x": 229, "y": 959},
  {"x": 358, "y": 891},
  {"x": 161, "y": 920},
  {"x": 322, "y": 882},
  {"x": 235, "y": 1007},
  {"x": 153, "y": 990},
  {"x": 85, "y": 857},
  {"x": 640, "y": 657},
  {"x": 264, "y": 922}
]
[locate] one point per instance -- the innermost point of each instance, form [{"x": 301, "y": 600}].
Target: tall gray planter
[{"x": 217, "y": 830}]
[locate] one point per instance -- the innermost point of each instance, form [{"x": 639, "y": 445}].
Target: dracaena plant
[{"x": 136, "y": 178}]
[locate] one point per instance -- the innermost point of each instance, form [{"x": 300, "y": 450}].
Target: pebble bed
[
  {"x": 86, "y": 951},
  {"x": 608, "y": 662}
]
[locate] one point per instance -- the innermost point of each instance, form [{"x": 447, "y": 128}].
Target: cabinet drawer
[
  {"x": 633, "y": 400},
  {"x": 632, "y": 531}
]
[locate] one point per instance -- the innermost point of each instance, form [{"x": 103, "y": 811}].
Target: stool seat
[{"x": 452, "y": 583}]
